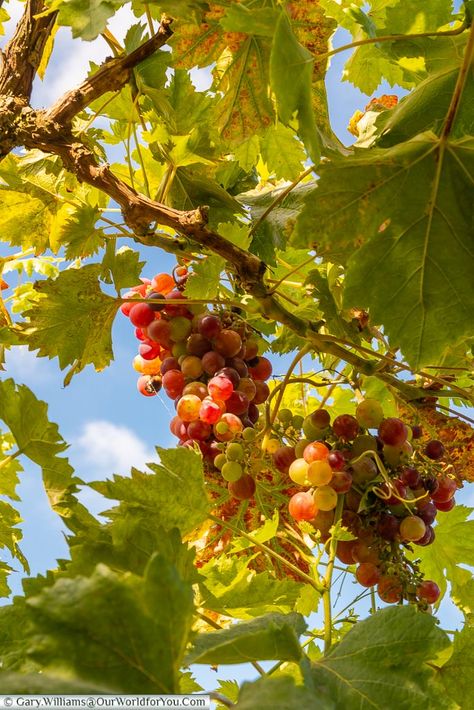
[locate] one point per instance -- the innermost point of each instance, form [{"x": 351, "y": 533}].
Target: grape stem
[{"x": 10, "y": 458}]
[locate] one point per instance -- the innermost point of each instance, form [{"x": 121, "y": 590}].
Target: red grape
[
  {"x": 262, "y": 392},
  {"x": 231, "y": 375},
  {"x": 346, "y": 427},
  {"x": 368, "y": 574},
  {"x": 188, "y": 408},
  {"x": 428, "y": 591},
  {"x": 412, "y": 528},
  {"x": 410, "y": 477},
  {"x": 434, "y": 449},
  {"x": 393, "y": 431},
  {"x": 447, "y": 488},
  {"x": 141, "y": 315},
  {"x": 336, "y": 460},
  {"x": 149, "y": 352},
  {"x": 160, "y": 332},
  {"x": 247, "y": 387},
  {"x": 262, "y": 370},
  {"x": 147, "y": 386},
  {"x": 197, "y": 345},
  {"x": 320, "y": 419},
  {"x": 210, "y": 326},
  {"x": 237, "y": 403},
  {"x": 210, "y": 410},
  {"x": 244, "y": 488},
  {"x": 344, "y": 551},
  {"x": 227, "y": 343},
  {"x": 173, "y": 382},
  {"x": 341, "y": 481},
  {"x": 283, "y": 458},
  {"x": 388, "y": 526},
  {"x": 446, "y": 505},
  {"x": 315, "y": 451},
  {"x": 212, "y": 362},
  {"x": 220, "y": 387},
  {"x": 302, "y": 506},
  {"x": 390, "y": 590},
  {"x": 199, "y": 430}
]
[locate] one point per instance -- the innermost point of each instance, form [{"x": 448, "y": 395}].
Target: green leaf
[
  {"x": 384, "y": 657},
  {"x": 204, "y": 279},
  {"x": 86, "y": 18},
  {"x": 281, "y": 693},
  {"x": 229, "y": 587},
  {"x": 282, "y": 152},
  {"x": 418, "y": 246},
  {"x": 454, "y": 546},
  {"x": 41, "y": 684},
  {"x": 247, "y": 152},
  {"x": 173, "y": 496},
  {"x": 126, "y": 632},
  {"x": 368, "y": 66},
  {"x": 72, "y": 320},
  {"x": 328, "y": 293},
  {"x": 270, "y": 637},
  {"x": 291, "y": 70},
  {"x": 265, "y": 532},
  {"x": 77, "y": 230},
  {"x": 456, "y": 674},
  {"x": 258, "y": 21},
  {"x": 122, "y": 266}
]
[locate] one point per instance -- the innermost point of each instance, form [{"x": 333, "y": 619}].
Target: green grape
[
  {"x": 249, "y": 434},
  {"x": 220, "y": 460},
  {"x": 297, "y": 421},
  {"x": 235, "y": 452},
  {"x": 300, "y": 447},
  {"x": 232, "y": 471},
  {"x": 285, "y": 416},
  {"x": 221, "y": 427}
]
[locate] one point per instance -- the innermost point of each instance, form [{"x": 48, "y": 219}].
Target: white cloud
[
  {"x": 105, "y": 448},
  {"x": 24, "y": 365}
]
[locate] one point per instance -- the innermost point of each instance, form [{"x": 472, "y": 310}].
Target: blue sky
[{"x": 109, "y": 426}]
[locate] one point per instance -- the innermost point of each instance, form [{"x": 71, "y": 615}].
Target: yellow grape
[
  {"x": 325, "y": 498},
  {"x": 298, "y": 472},
  {"x": 320, "y": 473}
]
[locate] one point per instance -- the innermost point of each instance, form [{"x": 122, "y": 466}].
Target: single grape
[
  {"x": 191, "y": 367},
  {"x": 231, "y": 375},
  {"x": 262, "y": 392},
  {"x": 427, "y": 513},
  {"x": 160, "y": 332},
  {"x": 344, "y": 550},
  {"x": 179, "y": 428},
  {"x": 412, "y": 528},
  {"x": 233, "y": 424},
  {"x": 173, "y": 382},
  {"x": 188, "y": 408},
  {"x": 416, "y": 431},
  {"x": 210, "y": 326},
  {"x": 341, "y": 481},
  {"x": 411, "y": 477},
  {"x": 315, "y": 451},
  {"x": 197, "y": 345},
  {"x": 300, "y": 447},
  {"x": 251, "y": 350},
  {"x": 227, "y": 343},
  {"x": 352, "y": 500},
  {"x": 336, "y": 460},
  {"x": 285, "y": 416},
  {"x": 297, "y": 422},
  {"x": 146, "y": 367},
  {"x": 212, "y": 362},
  {"x": 434, "y": 449},
  {"x": 388, "y": 527},
  {"x": 298, "y": 472},
  {"x": 369, "y": 413},
  {"x": 220, "y": 387},
  {"x": 346, "y": 427},
  {"x": 364, "y": 470},
  {"x": 363, "y": 443},
  {"x": 175, "y": 309},
  {"x": 249, "y": 434},
  {"x": 210, "y": 411},
  {"x": 253, "y": 413},
  {"x": 446, "y": 490},
  {"x": 197, "y": 388},
  {"x": 141, "y": 315},
  {"x": 147, "y": 387},
  {"x": 319, "y": 473},
  {"x": 272, "y": 445},
  {"x": 262, "y": 370},
  {"x": 170, "y": 363},
  {"x": 159, "y": 298},
  {"x": 390, "y": 590},
  {"x": 309, "y": 430},
  {"x": 428, "y": 538},
  {"x": 320, "y": 419},
  {"x": 235, "y": 452},
  {"x": 244, "y": 488},
  {"x": 162, "y": 283},
  {"x": 302, "y": 506},
  {"x": 446, "y": 505},
  {"x": 220, "y": 460},
  {"x": 127, "y": 307},
  {"x": 283, "y": 457},
  {"x": 428, "y": 591},
  {"x": 199, "y": 430},
  {"x": 232, "y": 471},
  {"x": 237, "y": 403},
  {"x": 393, "y": 431},
  {"x": 248, "y": 388},
  {"x": 367, "y": 574},
  {"x": 363, "y": 552},
  {"x": 325, "y": 498},
  {"x": 237, "y": 364},
  {"x": 149, "y": 351},
  {"x": 180, "y": 328}
]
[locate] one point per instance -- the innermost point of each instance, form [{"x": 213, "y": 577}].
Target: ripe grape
[
  {"x": 367, "y": 574},
  {"x": 232, "y": 471},
  {"x": 412, "y": 528},
  {"x": 127, "y": 307},
  {"x": 325, "y": 498},
  {"x": 369, "y": 413},
  {"x": 319, "y": 473},
  {"x": 411, "y": 477},
  {"x": 237, "y": 364},
  {"x": 179, "y": 428},
  {"x": 364, "y": 470},
  {"x": 237, "y": 403},
  {"x": 390, "y": 590},
  {"x": 210, "y": 326},
  {"x": 320, "y": 419},
  {"x": 154, "y": 296},
  {"x": 262, "y": 392},
  {"x": 416, "y": 431},
  {"x": 344, "y": 550},
  {"x": 162, "y": 283},
  {"x": 428, "y": 591},
  {"x": 428, "y": 537},
  {"x": 336, "y": 460},
  {"x": 188, "y": 408},
  {"x": 393, "y": 431},
  {"x": 231, "y": 375},
  {"x": 210, "y": 411},
  {"x": 434, "y": 449},
  {"x": 388, "y": 526},
  {"x": 302, "y": 506},
  {"x": 197, "y": 345},
  {"x": 315, "y": 451},
  {"x": 149, "y": 351},
  {"x": 170, "y": 363},
  {"x": 251, "y": 350},
  {"x": 446, "y": 490},
  {"x": 446, "y": 505},
  {"x": 173, "y": 382},
  {"x": 227, "y": 343},
  {"x": 212, "y": 362},
  {"x": 283, "y": 457},
  {"x": 141, "y": 315},
  {"x": 220, "y": 387},
  {"x": 262, "y": 370},
  {"x": 199, "y": 430},
  {"x": 248, "y": 388},
  {"x": 147, "y": 387},
  {"x": 160, "y": 332},
  {"x": 427, "y": 513},
  {"x": 191, "y": 367},
  {"x": 363, "y": 552},
  {"x": 346, "y": 427},
  {"x": 341, "y": 481},
  {"x": 298, "y": 471},
  {"x": 197, "y": 388},
  {"x": 244, "y": 488},
  {"x": 146, "y": 367},
  {"x": 253, "y": 413},
  {"x": 227, "y": 427}
]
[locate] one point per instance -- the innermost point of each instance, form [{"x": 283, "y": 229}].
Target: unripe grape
[
  {"x": 232, "y": 471},
  {"x": 285, "y": 416},
  {"x": 320, "y": 419},
  {"x": 272, "y": 445},
  {"x": 235, "y": 452},
  {"x": 249, "y": 434},
  {"x": 220, "y": 460},
  {"x": 369, "y": 413}
]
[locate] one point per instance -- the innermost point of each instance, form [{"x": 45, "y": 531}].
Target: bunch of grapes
[
  {"x": 389, "y": 488},
  {"x": 208, "y": 364},
  {"x": 378, "y": 475}
]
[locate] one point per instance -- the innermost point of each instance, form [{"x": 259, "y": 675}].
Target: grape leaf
[
  {"x": 174, "y": 494},
  {"x": 368, "y": 66},
  {"x": 456, "y": 674},
  {"x": 151, "y": 618},
  {"x": 383, "y": 657},
  {"x": 72, "y": 320},
  {"x": 26, "y": 219},
  {"x": 418, "y": 245},
  {"x": 122, "y": 266},
  {"x": 204, "y": 279},
  {"x": 281, "y": 693},
  {"x": 291, "y": 71},
  {"x": 77, "y": 230},
  {"x": 269, "y": 637},
  {"x": 454, "y": 546},
  {"x": 282, "y": 153},
  {"x": 86, "y": 18}
]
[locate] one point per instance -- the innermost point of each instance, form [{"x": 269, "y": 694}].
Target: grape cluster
[
  {"x": 391, "y": 491},
  {"x": 208, "y": 364},
  {"x": 385, "y": 485}
]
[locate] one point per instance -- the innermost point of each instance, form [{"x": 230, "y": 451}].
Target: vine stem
[
  {"x": 10, "y": 458},
  {"x": 328, "y": 580},
  {"x": 391, "y": 38},
  {"x": 268, "y": 551},
  {"x": 459, "y": 88}
]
